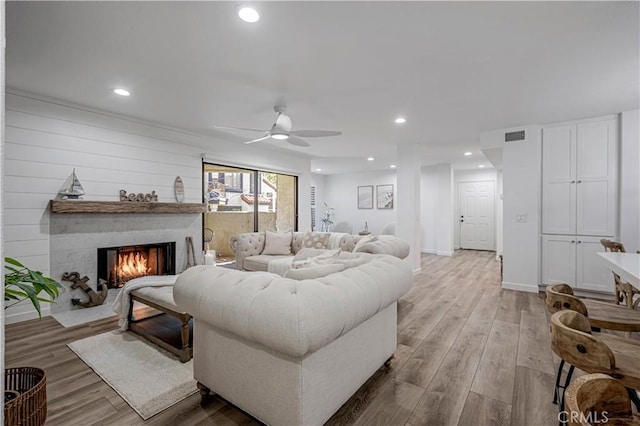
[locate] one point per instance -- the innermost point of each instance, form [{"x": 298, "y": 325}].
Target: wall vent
[{"x": 514, "y": 136}]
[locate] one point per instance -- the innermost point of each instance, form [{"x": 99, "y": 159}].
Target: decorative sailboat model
[{"x": 71, "y": 189}]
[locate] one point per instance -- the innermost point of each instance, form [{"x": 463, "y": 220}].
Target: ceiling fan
[{"x": 281, "y": 130}]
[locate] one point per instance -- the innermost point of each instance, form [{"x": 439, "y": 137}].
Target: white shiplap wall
[{"x": 46, "y": 139}]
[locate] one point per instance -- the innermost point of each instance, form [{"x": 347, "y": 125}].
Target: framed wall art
[
  {"x": 384, "y": 196},
  {"x": 365, "y": 197}
]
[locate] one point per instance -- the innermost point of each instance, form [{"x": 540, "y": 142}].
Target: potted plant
[
  {"x": 22, "y": 283},
  {"x": 25, "y": 388}
]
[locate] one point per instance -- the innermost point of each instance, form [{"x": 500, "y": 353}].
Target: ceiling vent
[{"x": 514, "y": 136}]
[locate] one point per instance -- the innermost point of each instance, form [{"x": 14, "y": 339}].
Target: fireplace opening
[{"x": 117, "y": 265}]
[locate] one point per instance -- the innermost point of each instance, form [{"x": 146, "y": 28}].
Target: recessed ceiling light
[
  {"x": 248, "y": 14},
  {"x": 121, "y": 92},
  {"x": 467, "y": 154},
  {"x": 393, "y": 166},
  {"x": 318, "y": 170},
  {"x": 481, "y": 166},
  {"x": 280, "y": 136},
  {"x": 400, "y": 120},
  {"x": 370, "y": 159}
]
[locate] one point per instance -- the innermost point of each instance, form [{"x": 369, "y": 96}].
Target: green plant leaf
[
  {"x": 13, "y": 262},
  {"x": 32, "y": 296},
  {"x": 11, "y": 294}
]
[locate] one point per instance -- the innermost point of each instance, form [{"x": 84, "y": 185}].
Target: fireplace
[{"x": 117, "y": 265}]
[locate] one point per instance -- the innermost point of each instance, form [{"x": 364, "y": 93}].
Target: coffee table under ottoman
[{"x": 161, "y": 298}]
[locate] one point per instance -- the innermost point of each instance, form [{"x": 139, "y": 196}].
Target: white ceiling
[{"x": 453, "y": 69}]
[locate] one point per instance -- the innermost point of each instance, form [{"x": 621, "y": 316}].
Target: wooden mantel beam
[{"x": 106, "y": 207}]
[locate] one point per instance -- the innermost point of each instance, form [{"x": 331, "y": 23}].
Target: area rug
[{"x": 146, "y": 376}]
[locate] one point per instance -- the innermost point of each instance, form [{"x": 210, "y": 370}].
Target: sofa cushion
[
  {"x": 260, "y": 262},
  {"x": 316, "y": 240},
  {"x": 309, "y": 273},
  {"x": 277, "y": 243},
  {"x": 363, "y": 241}
]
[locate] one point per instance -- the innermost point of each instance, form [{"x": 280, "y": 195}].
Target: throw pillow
[
  {"x": 316, "y": 240},
  {"x": 276, "y": 243},
  {"x": 306, "y": 253},
  {"x": 363, "y": 241},
  {"x": 313, "y": 272}
]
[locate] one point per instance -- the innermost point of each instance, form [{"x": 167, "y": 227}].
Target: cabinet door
[
  {"x": 596, "y": 178},
  {"x": 592, "y": 271},
  {"x": 559, "y": 259},
  {"x": 559, "y": 180}
]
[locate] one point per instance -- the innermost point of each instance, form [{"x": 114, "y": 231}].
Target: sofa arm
[
  {"x": 245, "y": 245},
  {"x": 387, "y": 244}
]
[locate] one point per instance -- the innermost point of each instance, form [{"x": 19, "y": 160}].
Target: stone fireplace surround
[{"x": 75, "y": 239}]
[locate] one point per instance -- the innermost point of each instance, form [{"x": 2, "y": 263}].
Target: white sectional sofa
[
  {"x": 250, "y": 247},
  {"x": 291, "y": 352}
]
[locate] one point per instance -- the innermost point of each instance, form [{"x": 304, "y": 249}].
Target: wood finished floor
[{"x": 469, "y": 353}]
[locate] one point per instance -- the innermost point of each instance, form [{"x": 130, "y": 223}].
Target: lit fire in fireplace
[{"x": 132, "y": 265}]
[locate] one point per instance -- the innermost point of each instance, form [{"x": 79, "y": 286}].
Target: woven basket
[{"x": 29, "y": 408}]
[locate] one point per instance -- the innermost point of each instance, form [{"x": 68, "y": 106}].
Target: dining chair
[
  {"x": 624, "y": 291},
  {"x": 599, "y": 399},
  {"x": 572, "y": 341},
  {"x": 600, "y": 315}
]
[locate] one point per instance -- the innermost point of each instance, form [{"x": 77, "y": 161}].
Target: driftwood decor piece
[
  {"x": 95, "y": 298},
  {"x": 105, "y": 207},
  {"x": 178, "y": 189},
  {"x": 139, "y": 198}
]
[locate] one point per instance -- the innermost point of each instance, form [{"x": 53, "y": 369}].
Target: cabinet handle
[
  {"x": 573, "y": 181},
  {"x": 579, "y": 242},
  {"x": 573, "y": 241},
  {"x": 579, "y": 181}
]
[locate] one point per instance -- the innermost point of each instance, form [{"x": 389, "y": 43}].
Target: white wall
[
  {"x": 437, "y": 210},
  {"x": 630, "y": 180},
  {"x": 475, "y": 175},
  {"x": 341, "y": 194},
  {"x": 408, "y": 201},
  {"x": 429, "y": 209},
  {"x": 319, "y": 181},
  {"x": 499, "y": 213},
  {"x": 444, "y": 206},
  {"x": 521, "y": 189},
  {"x": 46, "y": 139}
]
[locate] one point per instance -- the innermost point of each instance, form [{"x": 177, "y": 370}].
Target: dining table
[{"x": 627, "y": 265}]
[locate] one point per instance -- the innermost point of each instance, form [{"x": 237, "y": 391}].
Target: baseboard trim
[
  {"x": 26, "y": 316},
  {"x": 520, "y": 287},
  {"x": 428, "y": 251},
  {"x": 444, "y": 253}
]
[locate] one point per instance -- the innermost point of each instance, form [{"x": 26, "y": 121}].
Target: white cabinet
[
  {"x": 579, "y": 178},
  {"x": 573, "y": 260}
]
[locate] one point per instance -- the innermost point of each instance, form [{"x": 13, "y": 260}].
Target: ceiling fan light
[
  {"x": 279, "y": 136},
  {"x": 248, "y": 14}
]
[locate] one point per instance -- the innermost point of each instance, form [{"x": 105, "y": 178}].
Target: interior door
[{"x": 477, "y": 206}]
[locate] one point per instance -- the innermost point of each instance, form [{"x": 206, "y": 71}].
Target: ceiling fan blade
[
  {"x": 267, "y": 136},
  {"x": 315, "y": 133},
  {"x": 294, "y": 140},
  {"x": 239, "y": 128}
]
